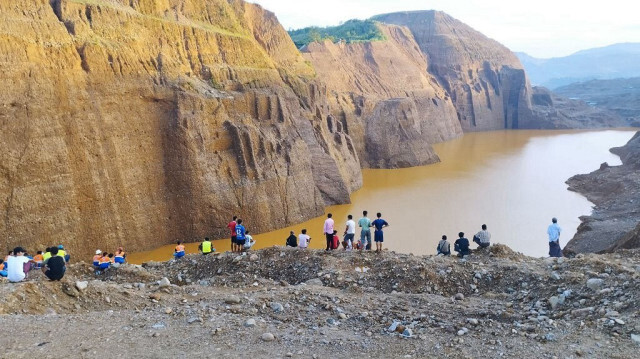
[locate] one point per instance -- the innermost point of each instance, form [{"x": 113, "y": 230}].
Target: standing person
[
  {"x": 328, "y": 230},
  {"x": 55, "y": 268},
  {"x": 291, "y": 240},
  {"x": 178, "y": 252},
  {"x": 206, "y": 246},
  {"x": 483, "y": 238},
  {"x": 349, "y": 232},
  {"x": 240, "y": 233},
  {"x": 16, "y": 265},
  {"x": 232, "y": 227},
  {"x": 365, "y": 232},
  {"x": 554, "y": 238},
  {"x": 461, "y": 245},
  {"x": 378, "y": 237},
  {"x": 444, "y": 247},
  {"x": 304, "y": 239},
  {"x": 248, "y": 241}
]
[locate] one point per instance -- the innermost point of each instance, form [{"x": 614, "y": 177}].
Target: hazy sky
[{"x": 541, "y": 28}]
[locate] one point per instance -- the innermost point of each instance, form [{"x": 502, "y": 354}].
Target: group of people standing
[{"x": 349, "y": 242}]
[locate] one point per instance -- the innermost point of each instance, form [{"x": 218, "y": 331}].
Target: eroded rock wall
[
  {"x": 383, "y": 96},
  {"x": 485, "y": 80},
  {"x": 143, "y": 122}
]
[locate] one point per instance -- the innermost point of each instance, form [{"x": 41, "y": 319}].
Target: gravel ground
[{"x": 282, "y": 302}]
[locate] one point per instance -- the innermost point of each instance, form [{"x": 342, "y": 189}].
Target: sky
[{"x": 541, "y": 28}]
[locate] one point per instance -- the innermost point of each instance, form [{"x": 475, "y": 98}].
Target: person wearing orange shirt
[
  {"x": 120, "y": 256},
  {"x": 105, "y": 261},
  {"x": 179, "y": 251},
  {"x": 96, "y": 258},
  {"x": 38, "y": 259}
]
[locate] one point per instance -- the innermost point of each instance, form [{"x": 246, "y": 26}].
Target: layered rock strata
[{"x": 142, "y": 122}]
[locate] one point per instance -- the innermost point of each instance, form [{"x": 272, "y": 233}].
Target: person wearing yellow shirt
[
  {"x": 206, "y": 247},
  {"x": 46, "y": 256}
]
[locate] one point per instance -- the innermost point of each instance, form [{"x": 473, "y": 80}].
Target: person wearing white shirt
[
  {"x": 554, "y": 238},
  {"x": 349, "y": 232},
  {"x": 303, "y": 239},
  {"x": 15, "y": 265}
]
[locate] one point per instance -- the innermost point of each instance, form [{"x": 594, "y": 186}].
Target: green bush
[{"x": 350, "y": 31}]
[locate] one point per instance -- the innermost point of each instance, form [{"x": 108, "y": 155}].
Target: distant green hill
[{"x": 350, "y": 31}]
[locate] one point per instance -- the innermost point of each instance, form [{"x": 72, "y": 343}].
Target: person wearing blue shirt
[
  {"x": 554, "y": 238},
  {"x": 379, "y": 223},
  {"x": 240, "y": 233}
]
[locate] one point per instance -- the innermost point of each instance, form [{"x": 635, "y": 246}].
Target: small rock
[
  {"x": 407, "y": 333},
  {"x": 82, "y": 285},
  {"x": 635, "y": 338},
  {"x": 459, "y": 296},
  {"x": 158, "y": 326},
  {"x": 250, "y": 323},
  {"x": 232, "y": 300},
  {"x": 618, "y": 321},
  {"x": 193, "y": 320},
  {"x": 217, "y": 331},
  {"x": 315, "y": 281},
  {"x": 472, "y": 321},
  {"x": 289, "y": 355},
  {"x": 364, "y": 314},
  {"x": 555, "y": 276},
  {"x": 554, "y": 302},
  {"x": 168, "y": 311},
  {"x": 461, "y": 332},
  {"x": 595, "y": 283},
  {"x": 277, "y": 307},
  {"x": 164, "y": 282},
  {"x": 253, "y": 257},
  {"x": 268, "y": 337},
  {"x": 237, "y": 259},
  {"x": 342, "y": 316}
]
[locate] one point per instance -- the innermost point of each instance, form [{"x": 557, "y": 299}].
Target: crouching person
[{"x": 55, "y": 267}]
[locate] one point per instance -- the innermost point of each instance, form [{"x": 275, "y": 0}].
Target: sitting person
[
  {"x": 17, "y": 268},
  {"x": 38, "y": 259},
  {"x": 3, "y": 268},
  {"x": 335, "y": 241},
  {"x": 55, "y": 268},
  {"x": 461, "y": 245},
  {"x": 105, "y": 262},
  {"x": 248, "y": 241},
  {"x": 178, "y": 252},
  {"x": 206, "y": 246},
  {"x": 119, "y": 256},
  {"x": 304, "y": 239},
  {"x": 63, "y": 253},
  {"x": 96, "y": 258},
  {"x": 46, "y": 256},
  {"x": 483, "y": 237},
  {"x": 444, "y": 247},
  {"x": 292, "y": 241}
]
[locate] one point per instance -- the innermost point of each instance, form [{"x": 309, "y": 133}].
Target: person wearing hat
[
  {"x": 96, "y": 258},
  {"x": 62, "y": 253},
  {"x": 16, "y": 265}
]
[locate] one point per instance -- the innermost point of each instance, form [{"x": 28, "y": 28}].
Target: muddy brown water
[{"x": 514, "y": 181}]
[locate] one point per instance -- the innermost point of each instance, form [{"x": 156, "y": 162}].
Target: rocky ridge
[
  {"x": 285, "y": 302},
  {"x": 615, "y": 221}
]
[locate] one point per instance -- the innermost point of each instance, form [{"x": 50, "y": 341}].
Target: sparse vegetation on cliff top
[{"x": 350, "y": 31}]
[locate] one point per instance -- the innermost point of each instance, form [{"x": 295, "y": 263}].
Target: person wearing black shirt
[
  {"x": 292, "y": 241},
  {"x": 55, "y": 268},
  {"x": 461, "y": 245}
]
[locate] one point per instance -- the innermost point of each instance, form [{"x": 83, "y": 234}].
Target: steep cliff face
[
  {"x": 383, "y": 96},
  {"x": 485, "y": 80},
  {"x": 146, "y": 121}
]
